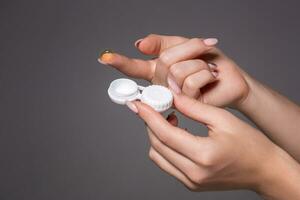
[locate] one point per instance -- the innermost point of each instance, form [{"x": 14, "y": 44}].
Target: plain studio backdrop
[{"x": 60, "y": 135}]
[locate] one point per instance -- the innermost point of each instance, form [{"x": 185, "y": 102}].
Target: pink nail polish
[
  {"x": 210, "y": 41},
  {"x": 212, "y": 65},
  {"x": 132, "y": 106},
  {"x": 173, "y": 85},
  {"x": 170, "y": 115},
  {"x": 215, "y": 74}
]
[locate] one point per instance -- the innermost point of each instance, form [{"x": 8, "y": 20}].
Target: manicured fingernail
[
  {"x": 132, "y": 106},
  {"x": 173, "y": 85},
  {"x": 105, "y": 56},
  {"x": 210, "y": 41},
  {"x": 212, "y": 65},
  {"x": 215, "y": 74},
  {"x": 137, "y": 43},
  {"x": 171, "y": 115}
]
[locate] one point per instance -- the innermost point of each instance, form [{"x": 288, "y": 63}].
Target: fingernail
[
  {"x": 132, "y": 106},
  {"x": 100, "y": 61},
  {"x": 210, "y": 41},
  {"x": 105, "y": 56},
  {"x": 170, "y": 115},
  {"x": 137, "y": 43},
  {"x": 173, "y": 85},
  {"x": 212, "y": 65},
  {"x": 215, "y": 74}
]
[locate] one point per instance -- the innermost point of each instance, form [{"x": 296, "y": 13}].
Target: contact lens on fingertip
[
  {"x": 158, "y": 97},
  {"x": 106, "y": 56}
]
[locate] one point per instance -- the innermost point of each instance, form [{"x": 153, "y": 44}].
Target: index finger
[{"x": 136, "y": 68}]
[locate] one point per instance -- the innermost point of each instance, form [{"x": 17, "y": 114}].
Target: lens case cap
[{"x": 158, "y": 97}]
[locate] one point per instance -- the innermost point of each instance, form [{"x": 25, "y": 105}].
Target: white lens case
[{"x": 158, "y": 97}]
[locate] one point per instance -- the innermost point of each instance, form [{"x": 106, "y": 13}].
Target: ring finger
[
  {"x": 193, "y": 83},
  {"x": 181, "y": 70}
]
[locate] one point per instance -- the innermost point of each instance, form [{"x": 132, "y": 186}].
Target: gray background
[{"x": 62, "y": 138}]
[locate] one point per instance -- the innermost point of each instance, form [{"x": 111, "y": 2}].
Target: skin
[
  {"x": 234, "y": 155},
  {"x": 183, "y": 65}
]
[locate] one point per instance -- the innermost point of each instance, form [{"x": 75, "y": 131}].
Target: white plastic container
[{"x": 158, "y": 97}]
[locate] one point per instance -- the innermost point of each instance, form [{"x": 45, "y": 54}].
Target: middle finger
[{"x": 185, "y": 51}]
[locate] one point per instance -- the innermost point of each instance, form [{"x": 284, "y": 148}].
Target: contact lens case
[{"x": 158, "y": 97}]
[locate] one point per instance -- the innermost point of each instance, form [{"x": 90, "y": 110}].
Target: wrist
[
  {"x": 280, "y": 177},
  {"x": 249, "y": 102}
]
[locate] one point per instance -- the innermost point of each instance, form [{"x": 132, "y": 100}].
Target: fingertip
[
  {"x": 131, "y": 105},
  {"x": 210, "y": 41},
  {"x": 100, "y": 61},
  {"x": 137, "y": 43},
  {"x": 106, "y": 57},
  {"x": 146, "y": 112},
  {"x": 150, "y": 45},
  {"x": 142, "y": 108}
]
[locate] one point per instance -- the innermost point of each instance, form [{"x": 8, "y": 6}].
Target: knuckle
[
  {"x": 176, "y": 71},
  {"x": 191, "y": 169},
  {"x": 165, "y": 57},
  {"x": 207, "y": 74},
  {"x": 201, "y": 63},
  {"x": 197, "y": 177},
  {"x": 151, "y": 154},
  {"x": 206, "y": 160},
  {"x": 192, "y": 187},
  {"x": 156, "y": 144},
  {"x": 163, "y": 138},
  {"x": 190, "y": 83},
  {"x": 223, "y": 115}
]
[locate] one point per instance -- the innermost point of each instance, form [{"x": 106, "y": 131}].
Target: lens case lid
[{"x": 158, "y": 97}]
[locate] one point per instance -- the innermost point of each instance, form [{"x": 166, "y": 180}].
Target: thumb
[{"x": 197, "y": 110}]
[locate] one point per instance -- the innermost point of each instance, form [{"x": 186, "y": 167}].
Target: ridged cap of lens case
[{"x": 158, "y": 97}]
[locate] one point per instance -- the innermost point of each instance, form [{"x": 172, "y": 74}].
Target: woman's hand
[
  {"x": 233, "y": 156},
  {"x": 203, "y": 72},
  {"x": 194, "y": 66}
]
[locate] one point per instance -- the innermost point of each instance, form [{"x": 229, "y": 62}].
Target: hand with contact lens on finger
[
  {"x": 194, "y": 66},
  {"x": 199, "y": 70}
]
